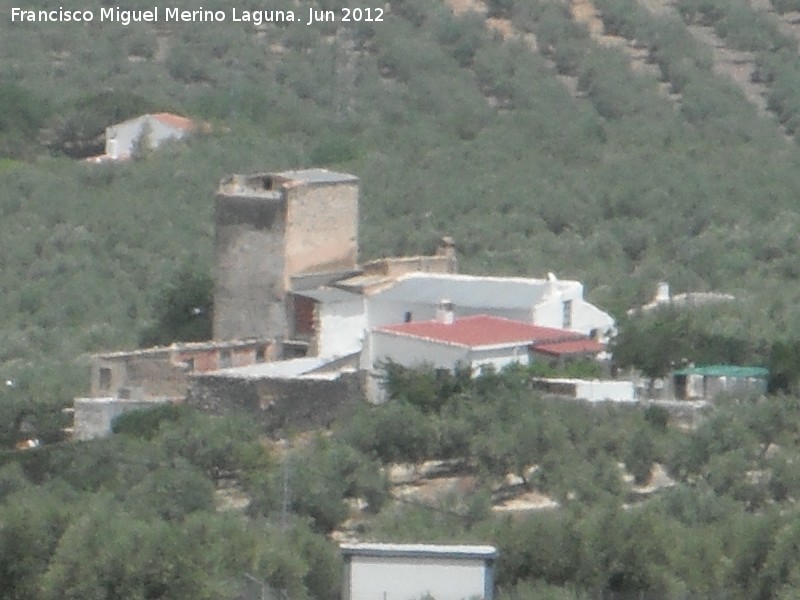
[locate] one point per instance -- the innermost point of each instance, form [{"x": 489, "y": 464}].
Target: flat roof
[
  {"x": 329, "y": 295},
  {"x": 317, "y": 176},
  {"x": 420, "y": 550},
  {"x": 292, "y": 367},
  {"x": 725, "y": 371},
  {"x": 474, "y": 291},
  {"x": 185, "y": 347}
]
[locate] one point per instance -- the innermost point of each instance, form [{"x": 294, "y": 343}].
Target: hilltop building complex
[{"x": 300, "y": 327}]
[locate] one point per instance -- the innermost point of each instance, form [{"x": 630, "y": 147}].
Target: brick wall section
[
  {"x": 280, "y": 405},
  {"x": 321, "y": 227}
]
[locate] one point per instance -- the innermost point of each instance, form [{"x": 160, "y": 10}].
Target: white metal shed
[{"x": 413, "y": 571}]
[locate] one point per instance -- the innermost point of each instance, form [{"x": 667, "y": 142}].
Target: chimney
[
  {"x": 445, "y": 313},
  {"x": 662, "y": 293}
]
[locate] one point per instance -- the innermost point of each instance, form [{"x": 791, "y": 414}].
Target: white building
[
  {"x": 591, "y": 390},
  {"x": 149, "y": 131},
  {"x": 547, "y": 302},
  {"x": 333, "y": 320},
  {"x": 414, "y": 571},
  {"x": 474, "y": 342}
]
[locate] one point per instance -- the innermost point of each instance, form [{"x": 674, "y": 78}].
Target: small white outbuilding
[{"x": 414, "y": 571}]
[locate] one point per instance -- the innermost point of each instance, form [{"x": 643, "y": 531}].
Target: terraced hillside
[{"x": 600, "y": 140}]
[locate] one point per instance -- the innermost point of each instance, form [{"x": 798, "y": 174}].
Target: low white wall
[
  {"x": 595, "y": 390},
  {"x": 498, "y": 358},
  {"x": 592, "y": 390}
]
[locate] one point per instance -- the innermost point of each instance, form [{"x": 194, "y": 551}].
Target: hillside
[
  {"x": 619, "y": 142},
  {"x": 620, "y": 157}
]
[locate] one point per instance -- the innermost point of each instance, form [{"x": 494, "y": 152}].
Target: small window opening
[
  {"x": 105, "y": 378},
  {"x": 567, "y": 314},
  {"x": 261, "y": 354}
]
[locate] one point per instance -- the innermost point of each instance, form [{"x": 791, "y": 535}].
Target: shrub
[
  {"x": 145, "y": 423},
  {"x": 393, "y": 432}
]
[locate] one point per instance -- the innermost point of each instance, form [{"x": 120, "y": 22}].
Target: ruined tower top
[{"x": 271, "y": 227}]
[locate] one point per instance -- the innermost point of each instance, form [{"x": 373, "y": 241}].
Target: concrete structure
[
  {"x": 591, "y": 390},
  {"x": 272, "y": 232},
  {"x": 705, "y": 383},
  {"x": 547, "y": 302},
  {"x": 414, "y": 571},
  {"x": 663, "y": 297},
  {"x": 94, "y": 417}
]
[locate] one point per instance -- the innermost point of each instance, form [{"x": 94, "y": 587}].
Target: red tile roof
[
  {"x": 176, "y": 121},
  {"x": 584, "y": 346},
  {"x": 481, "y": 330}
]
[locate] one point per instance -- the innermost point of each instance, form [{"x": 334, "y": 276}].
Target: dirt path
[
  {"x": 507, "y": 30},
  {"x": 788, "y": 23},
  {"x": 586, "y": 13},
  {"x": 737, "y": 65}
]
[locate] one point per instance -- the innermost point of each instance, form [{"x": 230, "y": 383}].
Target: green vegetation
[
  {"x": 452, "y": 130},
  {"x": 134, "y": 516},
  {"x": 138, "y": 515},
  {"x": 731, "y": 505}
]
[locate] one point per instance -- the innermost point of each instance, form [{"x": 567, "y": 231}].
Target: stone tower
[{"x": 271, "y": 228}]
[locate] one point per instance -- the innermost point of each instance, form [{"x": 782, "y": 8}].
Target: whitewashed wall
[
  {"x": 394, "y": 578},
  {"x": 381, "y": 313},
  {"x": 412, "y": 352},
  {"x": 585, "y": 316},
  {"x": 499, "y": 357},
  {"x": 594, "y": 390},
  {"x": 342, "y": 327},
  {"x": 121, "y": 138}
]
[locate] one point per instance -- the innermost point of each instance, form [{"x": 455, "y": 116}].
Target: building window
[
  {"x": 224, "y": 359},
  {"x": 567, "y": 314},
  {"x": 261, "y": 354},
  {"x": 105, "y": 378}
]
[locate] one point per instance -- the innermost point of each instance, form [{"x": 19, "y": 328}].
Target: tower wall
[
  {"x": 269, "y": 228},
  {"x": 249, "y": 277},
  {"x": 321, "y": 227}
]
